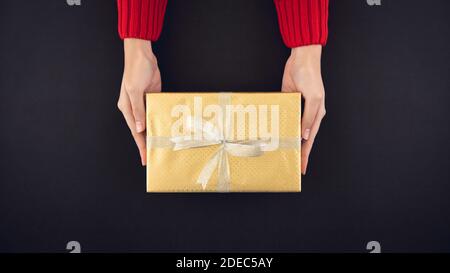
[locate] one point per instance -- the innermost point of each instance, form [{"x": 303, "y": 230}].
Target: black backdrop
[{"x": 70, "y": 170}]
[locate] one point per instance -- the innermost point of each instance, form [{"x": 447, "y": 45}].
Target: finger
[
  {"x": 308, "y": 144},
  {"x": 139, "y": 138},
  {"x": 312, "y": 106},
  {"x": 138, "y": 110}
]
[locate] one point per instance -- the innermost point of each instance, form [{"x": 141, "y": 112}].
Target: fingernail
[
  {"x": 306, "y": 134},
  {"x": 139, "y": 127}
]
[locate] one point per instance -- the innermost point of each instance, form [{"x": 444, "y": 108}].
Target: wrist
[
  {"x": 133, "y": 46},
  {"x": 307, "y": 57}
]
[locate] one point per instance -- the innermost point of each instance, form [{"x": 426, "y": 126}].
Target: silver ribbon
[{"x": 217, "y": 135}]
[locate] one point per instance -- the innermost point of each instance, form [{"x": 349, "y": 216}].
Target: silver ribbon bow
[{"x": 212, "y": 135}]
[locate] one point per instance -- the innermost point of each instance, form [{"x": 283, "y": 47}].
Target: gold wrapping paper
[{"x": 179, "y": 170}]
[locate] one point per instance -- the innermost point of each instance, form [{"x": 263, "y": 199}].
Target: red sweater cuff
[
  {"x": 142, "y": 19},
  {"x": 303, "y": 22}
]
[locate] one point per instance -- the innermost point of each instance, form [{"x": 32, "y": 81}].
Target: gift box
[{"x": 223, "y": 142}]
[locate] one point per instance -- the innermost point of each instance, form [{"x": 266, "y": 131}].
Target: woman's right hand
[{"x": 141, "y": 75}]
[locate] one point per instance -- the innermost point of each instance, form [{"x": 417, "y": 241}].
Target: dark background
[{"x": 70, "y": 170}]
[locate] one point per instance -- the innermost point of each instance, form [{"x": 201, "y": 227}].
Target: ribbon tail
[
  {"x": 224, "y": 179},
  {"x": 208, "y": 169}
]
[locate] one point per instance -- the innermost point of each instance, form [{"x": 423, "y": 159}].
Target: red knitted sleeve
[
  {"x": 303, "y": 22},
  {"x": 141, "y": 19}
]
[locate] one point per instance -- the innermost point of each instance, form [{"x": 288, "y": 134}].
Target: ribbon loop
[{"x": 243, "y": 149}]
